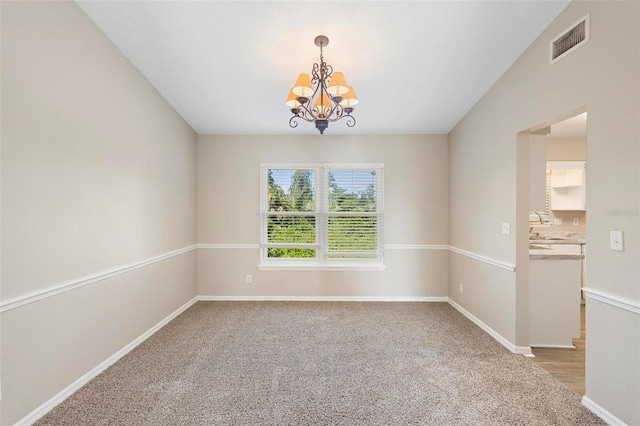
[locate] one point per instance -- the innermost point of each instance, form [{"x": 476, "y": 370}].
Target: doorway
[{"x": 556, "y": 247}]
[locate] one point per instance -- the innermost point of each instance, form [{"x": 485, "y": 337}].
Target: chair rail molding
[
  {"x": 81, "y": 282},
  {"x": 612, "y": 299},
  {"x": 498, "y": 263}
]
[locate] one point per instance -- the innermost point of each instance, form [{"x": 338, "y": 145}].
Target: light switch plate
[
  {"x": 506, "y": 228},
  {"x": 557, "y": 221},
  {"x": 576, "y": 221},
  {"x": 617, "y": 240}
]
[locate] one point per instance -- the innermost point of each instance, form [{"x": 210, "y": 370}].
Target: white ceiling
[{"x": 417, "y": 67}]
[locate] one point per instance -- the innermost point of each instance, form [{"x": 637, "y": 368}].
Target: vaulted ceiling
[{"x": 417, "y": 67}]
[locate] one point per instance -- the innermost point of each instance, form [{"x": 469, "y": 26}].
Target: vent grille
[{"x": 569, "y": 40}]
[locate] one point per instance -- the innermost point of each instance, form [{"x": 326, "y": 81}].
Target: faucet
[
  {"x": 539, "y": 218},
  {"x": 531, "y": 233}
]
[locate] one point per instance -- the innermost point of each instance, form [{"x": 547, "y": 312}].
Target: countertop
[
  {"x": 552, "y": 254},
  {"x": 549, "y": 239},
  {"x": 558, "y": 241},
  {"x": 558, "y": 237}
]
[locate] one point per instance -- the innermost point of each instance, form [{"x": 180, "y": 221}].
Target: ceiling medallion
[{"x": 326, "y": 90}]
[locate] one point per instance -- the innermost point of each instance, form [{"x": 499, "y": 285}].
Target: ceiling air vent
[{"x": 570, "y": 40}]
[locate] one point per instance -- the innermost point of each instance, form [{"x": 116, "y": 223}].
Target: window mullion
[
  {"x": 380, "y": 209},
  {"x": 321, "y": 208}
]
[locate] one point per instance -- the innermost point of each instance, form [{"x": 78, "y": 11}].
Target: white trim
[
  {"x": 502, "y": 265},
  {"x": 292, "y": 245},
  {"x": 321, "y": 165},
  {"x": 520, "y": 350},
  {"x": 228, "y": 246},
  {"x": 72, "y": 285},
  {"x": 287, "y": 166},
  {"x": 601, "y": 412},
  {"x": 66, "y": 392},
  {"x": 322, "y": 298},
  {"x": 613, "y": 300},
  {"x": 553, "y": 346},
  {"x": 386, "y": 246},
  {"x": 352, "y": 165},
  {"x": 288, "y": 266},
  {"x": 416, "y": 247}
]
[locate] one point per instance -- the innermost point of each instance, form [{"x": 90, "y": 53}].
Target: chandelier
[{"x": 323, "y": 97}]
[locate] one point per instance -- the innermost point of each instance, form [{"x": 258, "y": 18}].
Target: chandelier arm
[
  {"x": 328, "y": 72},
  {"x": 293, "y": 123},
  {"x": 336, "y": 113},
  {"x": 305, "y": 114},
  {"x": 351, "y": 120},
  {"x": 315, "y": 73},
  {"x": 315, "y": 92}
]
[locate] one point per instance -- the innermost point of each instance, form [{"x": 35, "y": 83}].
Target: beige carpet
[{"x": 322, "y": 363}]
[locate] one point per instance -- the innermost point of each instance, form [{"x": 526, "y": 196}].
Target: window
[{"x": 326, "y": 216}]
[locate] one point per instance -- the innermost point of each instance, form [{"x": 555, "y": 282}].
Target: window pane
[
  {"x": 291, "y": 253},
  {"x": 291, "y": 190},
  {"x": 352, "y": 190},
  {"x": 291, "y": 229},
  {"x": 353, "y": 233}
]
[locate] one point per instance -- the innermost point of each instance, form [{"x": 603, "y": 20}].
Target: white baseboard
[
  {"x": 520, "y": 350},
  {"x": 554, "y": 346},
  {"x": 66, "y": 392},
  {"x": 601, "y": 412},
  {"x": 322, "y": 298},
  {"x": 525, "y": 351}
]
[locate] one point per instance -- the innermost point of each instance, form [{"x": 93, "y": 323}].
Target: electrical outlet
[
  {"x": 461, "y": 288},
  {"x": 557, "y": 221},
  {"x": 617, "y": 240},
  {"x": 247, "y": 279},
  {"x": 506, "y": 228},
  {"x": 576, "y": 221}
]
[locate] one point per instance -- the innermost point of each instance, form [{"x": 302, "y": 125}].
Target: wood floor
[{"x": 566, "y": 365}]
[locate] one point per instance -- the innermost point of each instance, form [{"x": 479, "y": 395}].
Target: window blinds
[{"x": 329, "y": 213}]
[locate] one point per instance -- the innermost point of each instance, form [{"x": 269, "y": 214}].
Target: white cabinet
[
  {"x": 554, "y": 302},
  {"x": 568, "y": 248},
  {"x": 567, "y": 190},
  {"x": 576, "y": 249}
]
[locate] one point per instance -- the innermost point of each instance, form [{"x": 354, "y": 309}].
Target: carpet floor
[{"x": 322, "y": 363}]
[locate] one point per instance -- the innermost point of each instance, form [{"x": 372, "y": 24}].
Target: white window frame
[{"x": 321, "y": 190}]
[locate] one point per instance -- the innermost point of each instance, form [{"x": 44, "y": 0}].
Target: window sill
[{"x": 295, "y": 267}]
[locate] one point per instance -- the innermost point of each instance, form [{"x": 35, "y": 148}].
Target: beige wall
[
  {"x": 601, "y": 76},
  {"x": 98, "y": 172},
  {"x": 567, "y": 149},
  {"x": 415, "y": 201}
]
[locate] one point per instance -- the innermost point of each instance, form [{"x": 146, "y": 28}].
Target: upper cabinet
[{"x": 567, "y": 188}]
